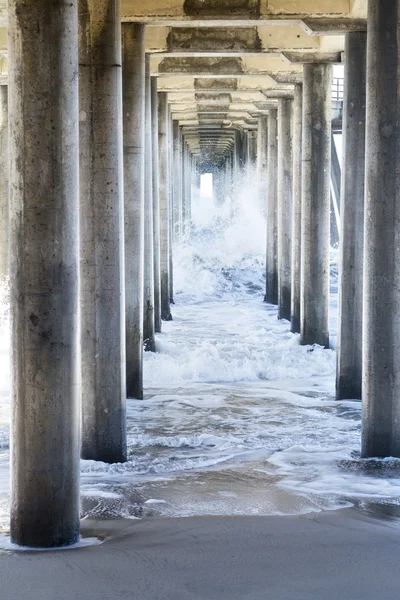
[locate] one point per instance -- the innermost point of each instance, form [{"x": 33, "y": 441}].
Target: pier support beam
[
  {"x": 262, "y": 163},
  {"x": 317, "y": 87},
  {"x": 164, "y": 187},
  {"x": 296, "y": 209},
  {"x": 4, "y": 212},
  {"x": 148, "y": 289},
  {"x": 156, "y": 205},
  {"x": 271, "y": 295},
  {"x": 349, "y": 341},
  {"x": 44, "y": 273},
  {"x": 133, "y": 90},
  {"x": 381, "y": 312},
  {"x": 285, "y": 174},
  {"x": 178, "y": 183},
  {"x": 102, "y": 236}
]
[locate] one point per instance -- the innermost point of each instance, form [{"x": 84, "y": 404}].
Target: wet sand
[{"x": 325, "y": 556}]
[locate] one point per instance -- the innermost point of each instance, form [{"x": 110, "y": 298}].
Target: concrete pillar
[
  {"x": 171, "y": 206},
  {"x": 102, "y": 235},
  {"x": 148, "y": 288},
  {"x": 285, "y": 174},
  {"x": 177, "y": 187},
  {"x": 186, "y": 189},
  {"x": 4, "y": 226},
  {"x": 262, "y": 163},
  {"x": 349, "y": 340},
  {"x": 164, "y": 187},
  {"x": 317, "y": 89},
  {"x": 296, "y": 209},
  {"x": 156, "y": 206},
  {"x": 271, "y": 295},
  {"x": 133, "y": 87},
  {"x": 381, "y": 311},
  {"x": 44, "y": 272}
]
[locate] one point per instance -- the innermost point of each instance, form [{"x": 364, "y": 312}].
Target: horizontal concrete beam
[
  {"x": 246, "y": 12},
  {"x": 223, "y": 67}
]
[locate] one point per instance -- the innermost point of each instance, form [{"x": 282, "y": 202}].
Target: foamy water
[{"x": 238, "y": 418}]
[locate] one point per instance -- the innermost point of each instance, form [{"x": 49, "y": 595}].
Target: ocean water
[{"x": 238, "y": 418}]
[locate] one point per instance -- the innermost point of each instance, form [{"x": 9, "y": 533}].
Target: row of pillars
[
  {"x": 92, "y": 226},
  {"x": 295, "y": 152},
  {"x": 90, "y": 219}
]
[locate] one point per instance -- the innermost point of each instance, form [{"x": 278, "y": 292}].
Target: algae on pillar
[
  {"x": 349, "y": 340},
  {"x": 4, "y": 212},
  {"x": 315, "y": 206},
  {"x": 285, "y": 175},
  {"x": 381, "y": 311},
  {"x": 164, "y": 187},
  {"x": 148, "y": 323},
  {"x": 44, "y": 272},
  {"x": 133, "y": 90}
]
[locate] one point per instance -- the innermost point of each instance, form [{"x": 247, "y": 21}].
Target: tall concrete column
[
  {"x": 102, "y": 235},
  {"x": 271, "y": 295},
  {"x": 156, "y": 206},
  {"x": 4, "y": 213},
  {"x": 381, "y": 311},
  {"x": 262, "y": 162},
  {"x": 349, "y": 341},
  {"x": 296, "y": 209},
  {"x": 148, "y": 289},
  {"x": 285, "y": 174},
  {"x": 315, "y": 218},
  {"x": 177, "y": 188},
  {"x": 44, "y": 272},
  {"x": 164, "y": 187},
  {"x": 133, "y": 86},
  {"x": 171, "y": 206}
]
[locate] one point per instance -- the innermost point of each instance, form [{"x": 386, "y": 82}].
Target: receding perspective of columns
[
  {"x": 271, "y": 295},
  {"x": 133, "y": 93},
  {"x": 44, "y": 232},
  {"x": 4, "y": 213},
  {"x": 102, "y": 236},
  {"x": 164, "y": 189},
  {"x": 315, "y": 206},
  {"x": 349, "y": 340},
  {"x": 296, "y": 208},
  {"x": 381, "y": 310},
  {"x": 148, "y": 323},
  {"x": 156, "y": 205},
  {"x": 285, "y": 174}
]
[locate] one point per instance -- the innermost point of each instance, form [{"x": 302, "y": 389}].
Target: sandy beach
[{"x": 321, "y": 556}]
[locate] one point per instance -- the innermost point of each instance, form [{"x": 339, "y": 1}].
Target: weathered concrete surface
[
  {"x": 285, "y": 176},
  {"x": 133, "y": 88},
  {"x": 310, "y": 557},
  {"x": 349, "y": 340},
  {"x": 316, "y": 204},
  {"x": 381, "y": 311},
  {"x": 156, "y": 206},
  {"x": 164, "y": 171},
  {"x": 296, "y": 208},
  {"x": 271, "y": 295},
  {"x": 178, "y": 182},
  {"x": 148, "y": 285},
  {"x": 262, "y": 163},
  {"x": 4, "y": 212},
  {"x": 44, "y": 235},
  {"x": 102, "y": 235}
]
